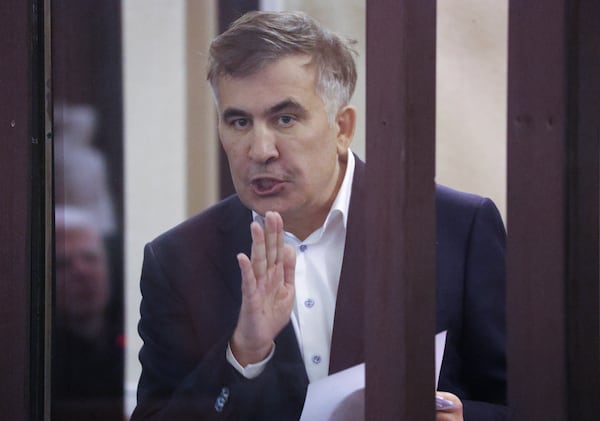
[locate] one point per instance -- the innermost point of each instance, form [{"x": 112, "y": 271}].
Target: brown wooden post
[
  {"x": 14, "y": 215},
  {"x": 553, "y": 281},
  {"x": 400, "y": 183},
  {"x": 22, "y": 209}
]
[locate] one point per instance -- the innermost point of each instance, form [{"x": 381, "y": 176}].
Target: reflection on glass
[
  {"x": 80, "y": 166},
  {"x": 87, "y": 336},
  {"x": 87, "y": 367}
]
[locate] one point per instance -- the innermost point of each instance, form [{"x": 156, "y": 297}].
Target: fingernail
[{"x": 442, "y": 404}]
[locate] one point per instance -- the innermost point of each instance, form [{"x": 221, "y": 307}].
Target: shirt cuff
[{"x": 251, "y": 371}]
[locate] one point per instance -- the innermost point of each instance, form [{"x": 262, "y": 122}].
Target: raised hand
[{"x": 267, "y": 291}]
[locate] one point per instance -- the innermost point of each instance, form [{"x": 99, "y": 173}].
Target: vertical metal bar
[
  {"x": 552, "y": 286},
  {"x": 582, "y": 265},
  {"x": 400, "y": 210}
]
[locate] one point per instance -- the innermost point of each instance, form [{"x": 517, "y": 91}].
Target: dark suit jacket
[{"x": 191, "y": 299}]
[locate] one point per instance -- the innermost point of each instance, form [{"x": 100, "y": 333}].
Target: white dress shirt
[{"x": 318, "y": 266}]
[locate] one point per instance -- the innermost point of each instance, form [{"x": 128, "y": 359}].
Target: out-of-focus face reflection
[
  {"x": 82, "y": 289},
  {"x": 87, "y": 363}
]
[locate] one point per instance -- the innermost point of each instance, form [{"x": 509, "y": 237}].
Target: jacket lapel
[
  {"x": 234, "y": 228},
  {"x": 347, "y": 345}
]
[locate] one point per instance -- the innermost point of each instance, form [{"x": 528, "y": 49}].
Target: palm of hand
[{"x": 267, "y": 291}]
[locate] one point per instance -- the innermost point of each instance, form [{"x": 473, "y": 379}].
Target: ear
[{"x": 346, "y": 124}]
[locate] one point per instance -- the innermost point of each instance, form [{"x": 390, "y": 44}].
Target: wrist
[{"x": 249, "y": 354}]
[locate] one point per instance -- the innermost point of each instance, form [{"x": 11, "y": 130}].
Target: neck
[
  {"x": 302, "y": 230},
  {"x": 301, "y": 225}
]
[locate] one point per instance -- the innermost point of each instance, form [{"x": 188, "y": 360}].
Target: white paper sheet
[
  {"x": 440, "y": 345},
  {"x": 324, "y": 396}
]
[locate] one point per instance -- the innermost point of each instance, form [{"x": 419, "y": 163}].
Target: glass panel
[{"x": 88, "y": 341}]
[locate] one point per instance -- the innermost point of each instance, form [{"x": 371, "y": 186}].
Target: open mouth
[{"x": 266, "y": 186}]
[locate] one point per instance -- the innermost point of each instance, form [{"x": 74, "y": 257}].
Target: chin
[
  {"x": 264, "y": 204},
  {"x": 262, "y": 210}
]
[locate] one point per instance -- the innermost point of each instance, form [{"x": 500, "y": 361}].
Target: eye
[
  {"x": 239, "y": 123},
  {"x": 285, "y": 120}
]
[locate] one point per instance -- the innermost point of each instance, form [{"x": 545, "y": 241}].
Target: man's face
[
  {"x": 284, "y": 155},
  {"x": 82, "y": 289}
]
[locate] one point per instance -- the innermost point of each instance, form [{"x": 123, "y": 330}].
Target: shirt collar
[{"x": 341, "y": 203}]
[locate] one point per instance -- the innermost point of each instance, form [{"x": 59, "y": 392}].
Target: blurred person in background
[{"x": 87, "y": 364}]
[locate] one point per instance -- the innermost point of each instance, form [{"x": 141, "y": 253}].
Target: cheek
[
  {"x": 233, "y": 151},
  {"x": 236, "y": 165},
  {"x": 323, "y": 156}
]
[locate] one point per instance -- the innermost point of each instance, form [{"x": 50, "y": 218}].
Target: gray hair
[{"x": 260, "y": 38}]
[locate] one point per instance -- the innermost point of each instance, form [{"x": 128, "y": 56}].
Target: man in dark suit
[{"x": 247, "y": 302}]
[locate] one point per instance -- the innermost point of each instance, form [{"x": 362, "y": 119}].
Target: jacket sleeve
[
  {"x": 470, "y": 292},
  {"x": 185, "y": 374},
  {"x": 484, "y": 325}
]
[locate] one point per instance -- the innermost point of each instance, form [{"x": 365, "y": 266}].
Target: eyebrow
[
  {"x": 234, "y": 112},
  {"x": 285, "y": 105}
]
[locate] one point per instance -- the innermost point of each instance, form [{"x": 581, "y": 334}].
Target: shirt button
[
  {"x": 309, "y": 303},
  {"x": 303, "y": 247},
  {"x": 316, "y": 359}
]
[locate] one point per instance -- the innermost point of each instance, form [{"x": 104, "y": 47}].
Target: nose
[{"x": 263, "y": 145}]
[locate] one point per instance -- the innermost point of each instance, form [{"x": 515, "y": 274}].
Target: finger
[
  {"x": 271, "y": 234},
  {"x": 289, "y": 266},
  {"x": 277, "y": 278},
  {"x": 448, "y": 416},
  {"x": 280, "y": 240},
  {"x": 248, "y": 280},
  {"x": 451, "y": 408},
  {"x": 258, "y": 256}
]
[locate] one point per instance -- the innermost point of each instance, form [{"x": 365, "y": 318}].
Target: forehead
[{"x": 289, "y": 77}]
